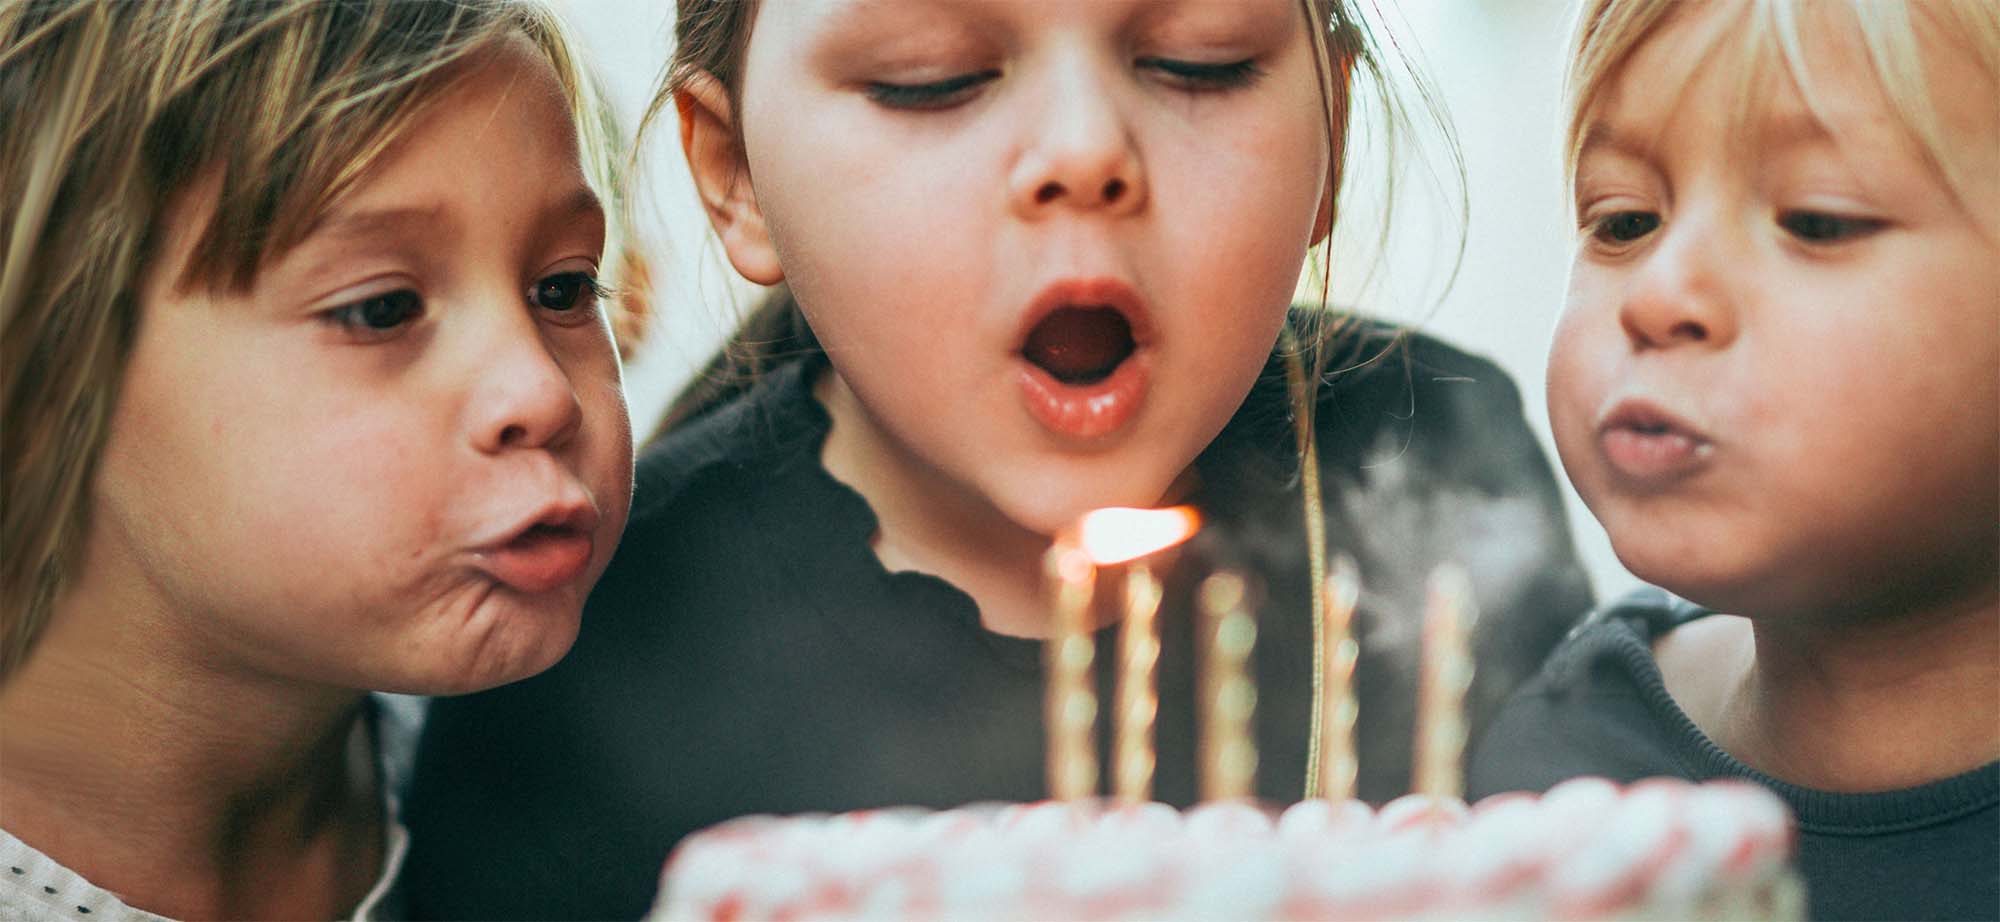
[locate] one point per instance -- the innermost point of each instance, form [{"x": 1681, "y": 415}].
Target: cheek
[
  {"x": 608, "y": 436},
  {"x": 1579, "y": 356},
  {"x": 368, "y": 486}
]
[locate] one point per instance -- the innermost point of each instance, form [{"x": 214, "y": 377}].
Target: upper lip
[
  {"x": 1089, "y": 292},
  {"x": 1633, "y": 413},
  {"x": 569, "y": 513}
]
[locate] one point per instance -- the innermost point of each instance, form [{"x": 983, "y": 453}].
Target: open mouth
[
  {"x": 1085, "y": 359},
  {"x": 1080, "y": 345}
]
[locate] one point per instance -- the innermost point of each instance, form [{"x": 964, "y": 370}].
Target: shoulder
[
  {"x": 1391, "y": 390},
  {"x": 1598, "y": 706},
  {"x": 765, "y": 426}
]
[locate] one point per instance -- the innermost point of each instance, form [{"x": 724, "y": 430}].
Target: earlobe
[
  {"x": 721, "y": 174},
  {"x": 1336, "y": 120},
  {"x": 1323, "y": 222}
]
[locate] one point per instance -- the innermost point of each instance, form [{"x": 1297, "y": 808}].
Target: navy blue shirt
[
  {"x": 1600, "y": 707},
  {"x": 747, "y": 652}
]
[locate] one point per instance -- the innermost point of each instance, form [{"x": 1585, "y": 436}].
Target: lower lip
[
  {"x": 1654, "y": 457},
  {"x": 1084, "y": 412},
  {"x": 541, "y": 561}
]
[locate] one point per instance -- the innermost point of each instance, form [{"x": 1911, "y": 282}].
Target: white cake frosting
[{"x": 1659, "y": 849}]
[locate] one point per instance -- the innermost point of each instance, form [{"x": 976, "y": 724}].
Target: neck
[
  {"x": 932, "y": 524},
  {"x": 191, "y": 790},
  {"x": 1867, "y": 704}
]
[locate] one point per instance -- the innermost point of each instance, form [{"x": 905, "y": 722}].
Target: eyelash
[
  {"x": 1617, "y": 228},
  {"x": 943, "y": 94},
  {"x": 1813, "y": 228},
  {"x": 381, "y": 317},
  {"x": 939, "y": 94},
  {"x": 1206, "y": 78},
  {"x": 1821, "y": 228}
]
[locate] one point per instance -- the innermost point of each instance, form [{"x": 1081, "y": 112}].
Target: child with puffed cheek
[
  {"x": 1777, "y": 384},
  {"x": 310, "y": 391},
  {"x": 1037, "y": 258}
]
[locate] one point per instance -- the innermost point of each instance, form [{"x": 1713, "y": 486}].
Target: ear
[
  {"x": 1337, "y": 152},
  {"x": 1323, "y": 223},
  {"x": 721, "y": 173}
]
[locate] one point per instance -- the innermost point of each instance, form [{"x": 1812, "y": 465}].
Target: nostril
[
  {"x": 1048, "y": 192},
  {"x": 512, "y": 435},
  {"x": 1689, "y": 331},
  {"x": 1113, "y": 189}
]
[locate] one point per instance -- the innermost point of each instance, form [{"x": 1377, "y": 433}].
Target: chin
[
  {"x": 1047, "y": 508},
  {"x": 516, "y": 644}
]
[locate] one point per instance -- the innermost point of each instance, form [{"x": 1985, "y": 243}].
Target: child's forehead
[{"x": 1726, "y": 67}]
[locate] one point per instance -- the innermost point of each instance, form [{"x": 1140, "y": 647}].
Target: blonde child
[
  {"x": 1777, "y": 384},
  {"x": 1042, "y": 256},
  {"x": 309, "y": 392}
]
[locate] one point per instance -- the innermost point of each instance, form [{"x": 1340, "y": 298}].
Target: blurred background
[{"x": 1491, "y": 68}]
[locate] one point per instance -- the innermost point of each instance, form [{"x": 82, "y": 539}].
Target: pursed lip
[
  {"x": 1087, "y": 411},
  {"x": 549, "y": 548},
  {"x": 1649, "y": 446}
]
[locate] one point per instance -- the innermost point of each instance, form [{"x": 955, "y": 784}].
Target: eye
[
  {"x": 1820, "y": 227},
  {"x": 377, "y": 317},
  {"x": 566, "y": 291},
  {"x": 1201, "y": 78},
  {"x": 939, "y": 94},
  {"x": 1623, "y": 226}
]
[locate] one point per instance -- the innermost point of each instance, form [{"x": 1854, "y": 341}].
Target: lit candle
[
  {"x": 1102, "y": 538},
  {"x": 1338, "y": 765},
  {"x": 1229, "y": 696},
  {"x": 1138, "y": 698},
  {"x": 1446, "y": 674},
  {"x": 1070, "y": 703}
]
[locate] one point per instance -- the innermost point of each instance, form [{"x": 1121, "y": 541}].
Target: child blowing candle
[
  {"x": 1777, "y": 384},
  {"x": 309, "y": 391},
  {"x": 1016, "y": 292}
]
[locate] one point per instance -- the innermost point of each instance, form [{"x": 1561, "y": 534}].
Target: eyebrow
[
  {"x": 1599, "y": 134},
  {"x": 581, "y": 201},
  {"x": 1792, "y": 128},
  {"x": 340, "y": 226}
]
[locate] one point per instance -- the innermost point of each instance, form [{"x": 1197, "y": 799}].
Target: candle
[
  {"x": 1138, "y": 698},
  {"x": 1070, "y": 702},
  {"x": 1229, "y": 696},
  {"x": 1445, "y": 676},
  {"x": 1102, "y": 538},
  {"x": 1338, "y": 764}
]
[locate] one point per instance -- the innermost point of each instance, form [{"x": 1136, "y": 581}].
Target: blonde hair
[
  {"x": 111, "y": 110},
  {"x": 1609, "y": 31}
]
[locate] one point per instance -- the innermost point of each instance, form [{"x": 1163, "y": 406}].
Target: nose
[
  {"x": 1079, "y": 153},
  {"x": 1681, "y": 295},
  {"x": 525, "y": 398}
]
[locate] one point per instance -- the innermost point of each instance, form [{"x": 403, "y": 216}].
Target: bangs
[
  {"x": 310, "y": 102},
  {"x": 1770, "y": 41}
]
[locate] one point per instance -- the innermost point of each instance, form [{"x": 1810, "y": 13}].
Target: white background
[{"x": 1497, "y": 69}]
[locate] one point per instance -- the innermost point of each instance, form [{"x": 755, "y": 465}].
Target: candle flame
[{"x": 1116, "y": 535}]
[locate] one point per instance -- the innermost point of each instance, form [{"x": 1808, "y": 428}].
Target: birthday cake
[{"x": 1659, "y": 849}]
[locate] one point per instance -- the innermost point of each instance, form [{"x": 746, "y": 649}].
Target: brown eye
[
  {"x": 1625, "y": 226},
  {"x": 565, "y": 291},
  {"x": 381, "y": 314}
]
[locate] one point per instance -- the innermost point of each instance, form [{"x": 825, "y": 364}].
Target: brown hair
[
  {"x": 113, "y": 108},
  {"x": 711, "y": 40}
]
